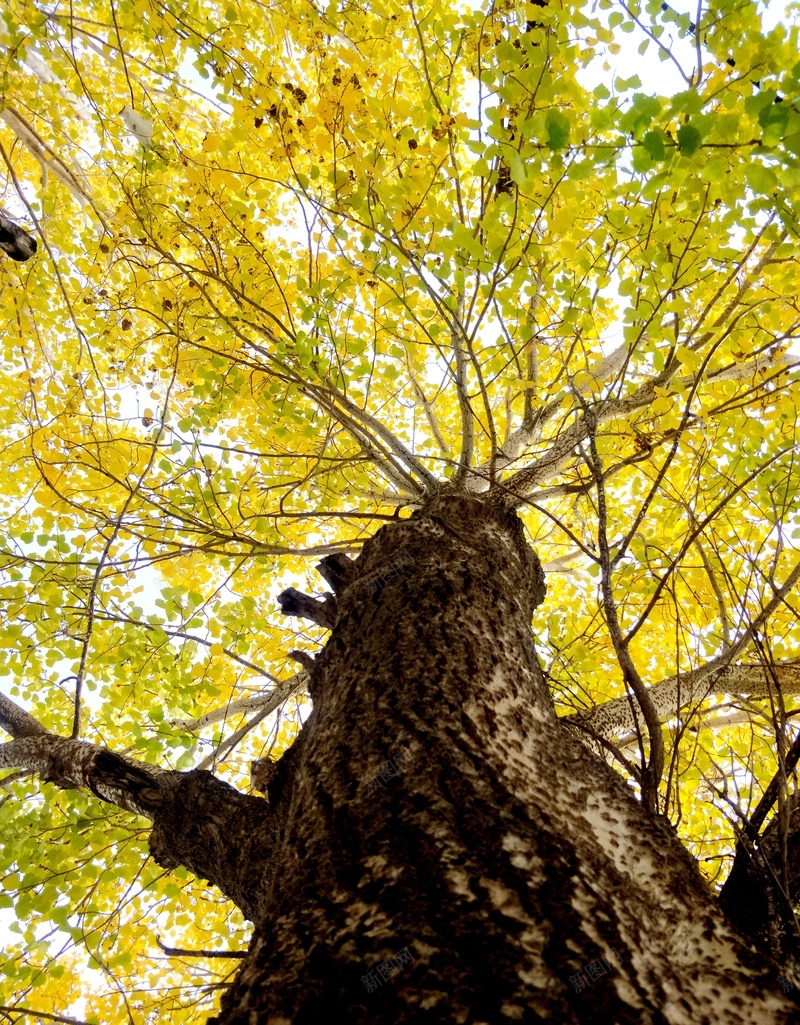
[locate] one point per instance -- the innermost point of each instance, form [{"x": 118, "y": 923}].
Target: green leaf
[
  {"x": 716, "y": 169},
  {"x": 516, "y": 167},
  {"x": 689, "y": 140},
  {"x": 653, "y": 142},
  {"x": 582, "y": 170},
  {"x": 773, "y": 119},
  {"x": 558, "y": 127},
  {"x": 623, "y": 84},
  {"x": 761, "y": 179}
]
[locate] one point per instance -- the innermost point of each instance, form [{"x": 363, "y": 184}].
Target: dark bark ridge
[
  {"x": 763, "y": 887},
  {"x": 435, "y": 846}
]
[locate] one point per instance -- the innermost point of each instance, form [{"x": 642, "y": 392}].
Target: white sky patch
[{"x": 658, "y": 72}]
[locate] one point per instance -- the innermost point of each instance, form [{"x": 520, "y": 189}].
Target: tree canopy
[{"x": 299, "y": 264}]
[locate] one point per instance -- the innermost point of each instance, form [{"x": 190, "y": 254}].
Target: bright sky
[{"x": 658, "y": 73}]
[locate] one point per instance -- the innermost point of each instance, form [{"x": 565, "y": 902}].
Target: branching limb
[
  {"x": 198, "y": 821},
  {"x": 545, "y": 467},
  {"x": 48, "y": 159},
  {"x": 430, "y": 415},
  {"x": 225, "y": 712},
  {"x": 652, "y": 770},
  {"x": 526, "y": 434},
  {"x": 75, "y": 764},
  {"x": 17, "y": 722},
  {"x": 677, "y": 693},
  {"x": 272, "y": 701}
]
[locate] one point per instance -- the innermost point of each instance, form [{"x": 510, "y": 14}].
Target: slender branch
[
  {"x": 668, "y": 54},
  {"x": 277, "y": 697},
  {"x": 695, "y": 532},
  {"x": 65, "y": 1019},
  {"x": 546, "y": 466},
  {"x": 224, "y": 712},
  {"x": 181, "y": 952},
  {"x": 652, "y": 771},
  {"x": 464, "y": 404},
  {"x": 430, "y": 415},
  {"x": 114, "y": 533},
  {"x": 678, "y": 692},
  {"x": 715, "y": 587},
  {"x": 331, "y": 396}
]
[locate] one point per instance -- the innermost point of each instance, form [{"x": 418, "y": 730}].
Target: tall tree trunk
[{"x": 439, "y": 848}]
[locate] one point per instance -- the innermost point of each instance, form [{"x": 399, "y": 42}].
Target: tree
[{"x": 350, "y": 332}]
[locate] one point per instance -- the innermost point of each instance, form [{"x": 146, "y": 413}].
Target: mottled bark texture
[{"x": 439, "y": 849}]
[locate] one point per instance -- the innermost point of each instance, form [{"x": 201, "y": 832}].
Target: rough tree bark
[{"x": 436, "y": 847}]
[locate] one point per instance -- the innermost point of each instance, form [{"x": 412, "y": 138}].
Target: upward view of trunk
[{"x": 436, "y": 846}]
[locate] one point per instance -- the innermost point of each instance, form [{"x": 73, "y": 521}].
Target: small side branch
[
  {"x": 338, "y": 571},
  {"x": 295, "y": 603},
  {"x": 181, "y": 952},
  {"x": 64, "y": 1019},
  {"x": 308, "y": 662},
  {"x": 15, "y": 242},
  {"x": 270, "y": 702}
]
